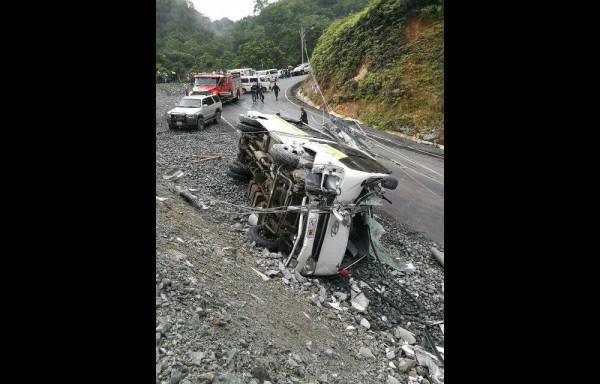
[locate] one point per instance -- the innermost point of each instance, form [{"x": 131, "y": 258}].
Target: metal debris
[
  {"x": 206, "y": 157},
  {"x": 173, "y": 174},
  {"x": 438, "y": 255},
  {"x": 421, "y": 351},
  {"x": 262, "y": 275}
]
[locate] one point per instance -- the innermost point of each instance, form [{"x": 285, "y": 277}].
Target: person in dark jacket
[
  {"x": 261, "y": 94},
  {"x": 276, "y": 90},
  {"x": 303, "y": 116}
]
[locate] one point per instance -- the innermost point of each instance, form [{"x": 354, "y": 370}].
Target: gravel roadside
[{"x": 227, "y": 312}]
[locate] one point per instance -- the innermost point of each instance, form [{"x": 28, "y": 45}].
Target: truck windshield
[{"x": 205, "y": 81}]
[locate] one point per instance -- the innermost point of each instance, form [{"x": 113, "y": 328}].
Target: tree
[
  {"x": 259, "y": 5},
  {"x": 269, "y": 39}
]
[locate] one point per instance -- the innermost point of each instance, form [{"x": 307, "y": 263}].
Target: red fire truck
[{"x": 223, "y": 85}]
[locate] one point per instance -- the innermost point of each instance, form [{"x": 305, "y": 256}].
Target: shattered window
[
  {"x": 377, "y": 231},
  {"x": 359, "y": 161}
]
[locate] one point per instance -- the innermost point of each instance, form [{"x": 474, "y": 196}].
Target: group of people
[
  {"x": 165, "y": 77},
  {"x": 257, "y": 92}
]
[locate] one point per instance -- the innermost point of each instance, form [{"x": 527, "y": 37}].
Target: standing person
[
  {"x": 276, "y": 90},
  {"x": 237, "y": 93},
  {"x": 253, "y": 89},
  {"x": 261, "y": 95},
  {"x": 303, "y": 116}
]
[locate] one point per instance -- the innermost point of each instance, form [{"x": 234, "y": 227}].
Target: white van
[
  {"x": 262, "y": 81},
  {"x": 241, "y": 71},
  {"x": 269, "y": 74}
]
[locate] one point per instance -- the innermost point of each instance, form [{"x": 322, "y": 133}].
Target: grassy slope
[{"x": 385, "y": 67}]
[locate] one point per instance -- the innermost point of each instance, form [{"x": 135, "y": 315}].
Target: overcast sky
[{"x": 233, "y": 9}]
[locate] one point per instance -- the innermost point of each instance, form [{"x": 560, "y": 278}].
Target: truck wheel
[
  {"x": 283, "y": 154},
  {"x": 256, "y": 234},
  {"x": 218, "y": 117},
  {"x": 200, "y": 125},
  {"x": 249, "y": 128}
]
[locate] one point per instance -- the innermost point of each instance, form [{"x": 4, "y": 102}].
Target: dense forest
[
  {"x": 379, "y": 61},
  {"x": 186, "y": 40}
]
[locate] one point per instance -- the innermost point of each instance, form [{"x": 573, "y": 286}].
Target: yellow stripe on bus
[{"x": 334, "y": 151}]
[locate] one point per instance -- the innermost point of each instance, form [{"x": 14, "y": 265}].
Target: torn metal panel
[{"x": 173, "y": 174}]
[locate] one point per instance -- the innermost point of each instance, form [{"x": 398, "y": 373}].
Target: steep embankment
[{"x": 385, "y": 67}]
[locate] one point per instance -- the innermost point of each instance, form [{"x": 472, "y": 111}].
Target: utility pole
[{"x": 302, "y": 43}]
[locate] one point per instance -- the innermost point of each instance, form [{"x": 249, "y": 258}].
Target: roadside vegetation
[
  {"x": 385, "y": 67},
  {"x": 378, "y": 61}
]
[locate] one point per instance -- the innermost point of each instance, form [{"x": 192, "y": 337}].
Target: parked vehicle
[
  {"x": 224, "y": 86},
  {"x": 241, "y": 71},
  {"x": 269, "y": 74},
  {"x": 300, "y": 70},
  {"x": 315, "y": 189},
  {"x": 193, "y": 112},
  {"x": 264, "y": 84}
]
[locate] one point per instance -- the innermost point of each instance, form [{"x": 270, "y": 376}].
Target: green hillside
[
  {"x": 385, "y": 67},
  {"x": 378, "y": 61},
  {"x": 187, "y": 41}
]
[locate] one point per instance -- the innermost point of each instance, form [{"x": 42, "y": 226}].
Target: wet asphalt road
[{"x": 418, "y": 201}]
